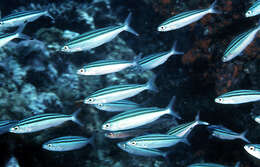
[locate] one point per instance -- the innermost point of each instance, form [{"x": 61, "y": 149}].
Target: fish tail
[
  {"x": 197, "y": 119},
  {"x": 50, "y": 16},
  {"x": 186, "y": 141},
  {"x": 75, "y": 119},
  {"x": 127, "y": 25},
  {"x": 20, "y": 34},
  {"x": 243, "y": 136},
  {"x": 136, "y": 66},
  {"x": 151, "y": 84},
  {"x": 170, "y": 108},
  {"x": 212, "y": 8},
  {"x": 173, "y": 50}
]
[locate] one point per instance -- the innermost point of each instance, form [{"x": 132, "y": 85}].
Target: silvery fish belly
[
  {"x": 253, "y": 149},
  {"x": 206, "y": 165},
  {"x": 104, "y": 67},
  {"x": 67, "y": 143},
  {"x": 148, "y": 63},
  {"x": 239, "y": 44},
  {"x": 133, "y": 118},
  {"x": 257, "y": 119},
  {"x": 238, "y": 97},
  {"x": 148, "y": 152},
  {"x": 254, "y": 10},
  {"x": 155, "y": 141},
  {"x": 117, "y": 106}
]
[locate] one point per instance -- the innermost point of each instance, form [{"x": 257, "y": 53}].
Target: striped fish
[
  {"x": 123, "y": 134},
  {"x": 147, "y": 152},
  {"x": 66, "y": 143},
  {"x": 117, "y": 106},
  {"x": 186, "y": 18},
  {"x": 42, "y": 121},
  {"x": 20, "y": 18},
  {"x": 154, "y": 60},
  {"x": 5, "y": 125},
  {"x": 240, "y": 43},
  {"x": 5, "y": 38},
  {"x": 227, "y": 134},
  {"x": 119, "y": 92},
  {"x": 137, "y": 117},
  {"x": 102, "y": 67},
  {"x": 253, "y": 149},
  {"x": 206, "y": 165},
  {"x": 253, "y": 10},
  {"x": 97, "y": 37},
  {"x": 156, "y": 141},
  {"x": 238, "y": 97},
  {"x": 183, "y": 130}
]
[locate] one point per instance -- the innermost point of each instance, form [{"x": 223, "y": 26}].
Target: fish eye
[
  {"x": 16, "y": 128},
  {"x": 110, "y": 134},
  {"x": 249, "y": 12},
  {"x": 220, "y": 99},
  {"x": 1, "y": 23},
  {"x": 100, "y": 105},
  {"x": 107, "y": 125},
  {"x": 81, "y": 70},
  {"x": 49, "y": 145},
  {"x": 66, "y": 48},
  {"x": 252, "y": 148},
  {"x": 133, "y": 142},
  {"x": 90, "y": 99},
  {"x": 162, "y": 27}
]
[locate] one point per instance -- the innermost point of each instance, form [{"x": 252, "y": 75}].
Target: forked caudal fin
[
  {"x": 74, "y": 118},
  {"x": 151, "y": 84},
  {"x": 127, "y": 25},
  {"x": 173, "y": 50},
  {"x": 170, "y": 108},
  {"x": 212, "y": 8},
  {"x": 197, "y": 119},
  {"x": 243, "y": 136}
]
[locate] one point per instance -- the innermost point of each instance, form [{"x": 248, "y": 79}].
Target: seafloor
[{"x": 35, "y": 77}]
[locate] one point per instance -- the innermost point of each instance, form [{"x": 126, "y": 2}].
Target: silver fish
[
  {"x": 205, "y": 165},
  {"x": 238, "y": 97},
  {"x": 123, "y": 134},
  {"x": 156, "y": 141},
  {"x": 154, "y": 60},
  {"x": 66, "y": 143},
  {"x": 147, "y": 152},
  {"x": 42, "y": 121},
  {"x": 253, "y": 10},
  {"x": 102, "y": 67},
  {"x": 97, "y": 37},
  {"x": 137, "y": 117},
  {"x": 117, "y": 106},
  {"x": 183, "y": 130},
  {"x": 20, "y": 18},
  {"x": 5, "y": 38},
  {"x": 239, "y": 44},
  {"x": 119, "y": 92},
  {"x": 227, "y": 134},
  {"x": 253, "y": 149},
  {"x": 186, "y": 18}
]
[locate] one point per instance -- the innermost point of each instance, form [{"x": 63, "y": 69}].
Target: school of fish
[{"x": 132, "y": 116}]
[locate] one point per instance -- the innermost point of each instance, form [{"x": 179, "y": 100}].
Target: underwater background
[{"x": 36, "y": 78}]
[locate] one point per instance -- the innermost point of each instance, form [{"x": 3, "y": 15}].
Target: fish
[
  {"x": 239, "y": 44},
  {"x": 5, "y": 38},
  {"x": 257, "y": 118},
  {"x": 186, "y": 18},
  {"x": 253, "y": 149},
  {"x": 206, "y": 165},
  {"x": 138, "y": 117},
  {"x": 154, "y": 60},
  {"x": 238, "y": 97},
  {"x": 5, "y": 125},
  {"x": 253, "y": 10},
  {"x": 43, "y": 121},
  {"x": 183, "y": 130},
  {"x": 147, "y": 152},
  {"x": 156, "y": 141},
  {"x": 103, "y": 67},
  {"x": 117, "y": 106},
  {"x": 227, "y": 134},
  {"x": 95, "y": 38},
  {"x": 21, "y": 18},
  {"x": 119, "y": 92},
  {"x": 66, "y": 143}
]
